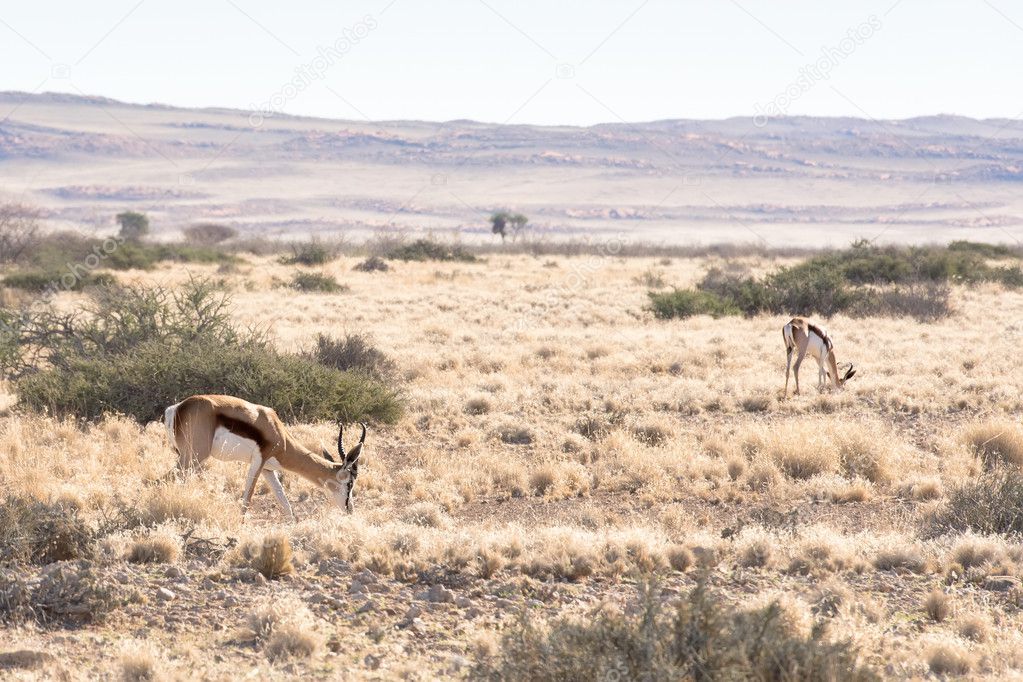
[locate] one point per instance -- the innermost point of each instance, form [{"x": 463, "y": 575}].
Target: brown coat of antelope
[{"x": 802, "y": 337}]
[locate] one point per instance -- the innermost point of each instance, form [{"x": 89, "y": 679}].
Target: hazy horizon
[{"x": 527, "y": 63}]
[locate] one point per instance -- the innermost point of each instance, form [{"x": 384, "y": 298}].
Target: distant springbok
[
  {"x": 232, "y": 429},
  {"x": 801, "y": 335}
]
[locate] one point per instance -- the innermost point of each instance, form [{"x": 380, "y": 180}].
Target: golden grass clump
[
  {"x": 973, "y": 551},
  {"x": 937, "y": 605},
  {"x": 949, "y": 658},
  {"x": 996, "y": 443},
  {"x": 900, "y": 557},
  {"x": 425, "y": 514},
  {"x": 284, "y": 629},
  {"x": 159, "y": 546},
  {"x": 975, "y": 627},
  {"x": 272, "y": 556},
  {"x": 755, "y": 549},
  {"x": 138, "y": 663}
]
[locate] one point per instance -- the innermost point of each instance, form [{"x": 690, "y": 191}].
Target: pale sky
[{"x": 576, "y": 62}]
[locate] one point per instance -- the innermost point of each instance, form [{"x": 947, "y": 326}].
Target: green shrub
[
  {"x": 143, "y": 382},
  {"x": 372, "y": 264},
  {"x": 427, "y": 250},
  {"x": 993, "y": 251},
  {"x": 316, "y": 282},
  {"x": 861, "y": 280},
  {"x": 992, "y": 503},
  {"x": 686, "y": 303},
  {"x": 136, "y": 350},
  {"x": 208, "y": 234},
  {"x": 353, "y": 352},
  {"x": 55, "y": 280},
  {"x": 699, "y": 639},
  {"x": 309, "y": 253}
]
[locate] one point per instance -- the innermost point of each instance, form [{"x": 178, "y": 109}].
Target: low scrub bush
[
  {"x": 990, "y": 504},
  {"x": 68, "y": 592},
  {"x": 41, "y": 533},
  {"x": 316, "y": 282},
  {"x": 687, "y": 303},
  {"x": 40, "y": 281},
  {"x": 142, "y": 383},
  {"x": 372, "y": 264},
  {"x": 136, "y": 350},
  {"x": 861, "y": 280},
  {"x": 310, "y": 253},
  {"x": 699, "y": 639},
  {"x": 428, "y": 250},
  {"x": 352, "y": 352},
  {"x": 208, "y": 234}
]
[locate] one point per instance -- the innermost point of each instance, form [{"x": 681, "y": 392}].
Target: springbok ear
[
  {"x": 353, "y": 455},
  {"x": 326, "y": 454},
  {"x": 850, "y": 375}
]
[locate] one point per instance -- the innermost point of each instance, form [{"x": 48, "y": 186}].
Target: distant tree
[
  {"x": 134, "y": 225},
  {"x": 208, "y": 234},
  {"x": 19, "y": 231},
  {"x": 502, "y": 221}
]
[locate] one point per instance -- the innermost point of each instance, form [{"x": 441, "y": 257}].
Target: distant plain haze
[{"x": 574, "y": 62}]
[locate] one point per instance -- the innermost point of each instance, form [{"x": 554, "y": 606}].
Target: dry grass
[
  {"x": 551, "y": 451},
  {"x": 284, "y": 629},
  {"x": 997, "y": 443}
]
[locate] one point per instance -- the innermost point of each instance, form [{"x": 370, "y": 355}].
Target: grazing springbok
[
  {"x": 235, "y": 430},
  {"x": 803, "y": 336}
]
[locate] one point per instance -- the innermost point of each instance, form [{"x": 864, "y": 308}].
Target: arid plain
[
  {"x": 562, "y": 453},
  {"x": 560, "y": 445}
]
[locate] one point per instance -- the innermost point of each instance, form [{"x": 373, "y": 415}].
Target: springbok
[
  {"x": 800, "y": 334},
  {"x": 235, "y": 430}
]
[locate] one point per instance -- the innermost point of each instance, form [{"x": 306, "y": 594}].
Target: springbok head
[
  {"x": 849, "y": 373},
  {"x": 346, "y": 469}
]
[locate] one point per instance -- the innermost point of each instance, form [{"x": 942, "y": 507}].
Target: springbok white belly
[{"x": 229, "y": 447}]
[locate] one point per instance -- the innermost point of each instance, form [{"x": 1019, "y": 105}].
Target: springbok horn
[
  {"x": 362, "y": 439},
  {"x": 341, "y": 440}
]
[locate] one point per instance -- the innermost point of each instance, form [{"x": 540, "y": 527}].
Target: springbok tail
[{"x": 786, "y": 334}]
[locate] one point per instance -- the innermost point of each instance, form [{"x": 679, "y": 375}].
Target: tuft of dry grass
[
  {"x": 160, "y": 546},
  {"x": 949, "y": 658},
  {"x": 272, "y": 556},
  {"x": 975, "y": 627},
  {"x": 284, "y": 629},
  {"x": 996, "y": 443},
  {"x": 138, "y": 663},
  {"x": 425, "y": 514},
  {"x": 937, "y": 606}
]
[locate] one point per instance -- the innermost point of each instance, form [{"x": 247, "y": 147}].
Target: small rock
[
  {"x": 413, "y": 613},
  {"x": 163, "y": 594},
  {"x": 232, "y": 601},
  {"x": 504, "y": 603},
  {"x": 317, "y": 598},
  {"x": 473, "y": 612},
  {"x": 259, "y": 578},
  {"x": 221, "y": 594},
  {"x": 174, "y": 572},
  {"x": 365, "y": 576},
  {"x": 437, "y": 593},
  {"x": 463, "y": 602},
  {"x": 372, "y": 662},
  {"x": 367, "y": 606},
  {"x": 357, "y": 587},
  {"x": 122, "y": 577}
]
